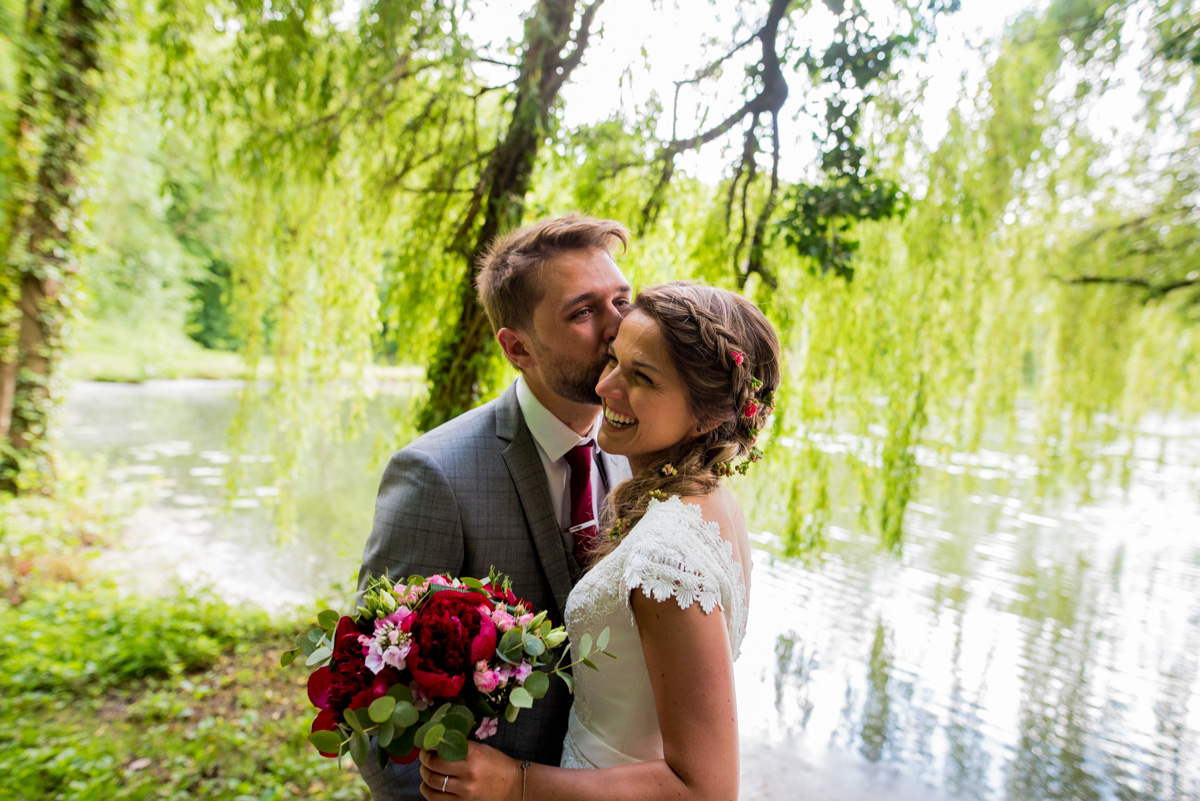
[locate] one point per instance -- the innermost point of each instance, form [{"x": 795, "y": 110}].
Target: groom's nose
[{"x": 612, "y": 321}]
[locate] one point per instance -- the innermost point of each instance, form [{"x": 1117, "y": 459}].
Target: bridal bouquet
[{"x": 427, "y": 663}]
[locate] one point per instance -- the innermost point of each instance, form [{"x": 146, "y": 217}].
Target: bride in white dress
[{"x": 689, "y": 383}]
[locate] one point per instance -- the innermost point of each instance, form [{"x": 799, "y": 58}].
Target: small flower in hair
[
  {"x": 657, "y": 495},
  {"x": 669, "y": 470},
  {"x": 751, "y": 409},
  {"x": 618, "y": 528},
  {"x": 755, "y": 455},
  {"x": 724, "y": 469},
  {"x": 742, "y": 468},
  {"x": 755, "y": 382},
  {"x": 737, "y": 357}
]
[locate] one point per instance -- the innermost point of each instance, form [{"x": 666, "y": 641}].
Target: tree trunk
[
  {"x": 462, "y": 357},
  {"x": 40, "y": 243}
]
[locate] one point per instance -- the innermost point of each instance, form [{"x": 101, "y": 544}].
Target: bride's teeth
[{"x": 618, "y": 419}]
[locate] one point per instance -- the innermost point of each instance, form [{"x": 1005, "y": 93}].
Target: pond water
[{"x": 1018, "y": 649}]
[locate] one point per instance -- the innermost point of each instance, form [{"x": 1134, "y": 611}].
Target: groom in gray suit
[{"x": 515, "y": 483}]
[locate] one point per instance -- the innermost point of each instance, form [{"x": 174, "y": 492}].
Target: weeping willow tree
[{"x": 989, "y": 290}]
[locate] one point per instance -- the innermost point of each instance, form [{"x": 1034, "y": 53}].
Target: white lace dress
[{"x": 672, "y": 552}]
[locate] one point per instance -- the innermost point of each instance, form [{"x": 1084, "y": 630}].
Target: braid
[{"x": 728, "y": 354}]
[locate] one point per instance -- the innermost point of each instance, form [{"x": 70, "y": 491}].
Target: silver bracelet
[{"x": 524, "y": 773}]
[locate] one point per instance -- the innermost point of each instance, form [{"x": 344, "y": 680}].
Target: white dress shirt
[{"x": 554, "y": 438}]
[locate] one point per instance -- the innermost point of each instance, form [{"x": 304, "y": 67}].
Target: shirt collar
[{"x": 552, "y": 435}]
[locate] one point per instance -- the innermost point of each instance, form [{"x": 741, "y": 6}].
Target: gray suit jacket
[{"x": 467, "y": 496}]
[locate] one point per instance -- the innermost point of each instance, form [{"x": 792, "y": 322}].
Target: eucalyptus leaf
[
  {"x": 400, "y": 693},
  {"x": 329, "y": 742},
  {"x": 305, "y": 644},
  {"x": 288, "y": 657},
  {"x": 589, "y": 663},
  {"x": 602, "y": 639},
  {"x": 510, "y": 714},
  {"x": 381, "y": 709},
  {"x": 521, "y": 698},
  {"x": 321, "y": 654},
  {"x": 353, "y": 720},
  {"x": 534, "y": 646},
  {"x": 405, "y": 715},
  {"x": 509, "y": 648},
  {"x": 453, "y": 747},
  {"x": 328, "y": 619},
  {"x": 387, "y": 730},
  {"x": 316, "y": 635},
  {"x": 360, "y": 748},
  {"x": 433, "y": 737},
  {"x": 457, "y": 722},
  {"x": 585, "y": 644},
  {"x": 537, "y": 684},
  {"x": 569, "y": 680}
]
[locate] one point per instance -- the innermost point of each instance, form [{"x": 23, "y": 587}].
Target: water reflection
[{"x": 1023, "y": 647}]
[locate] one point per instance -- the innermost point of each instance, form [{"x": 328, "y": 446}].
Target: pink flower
[
  {"x": 524, "y": 619},
  {"x": 420, "y": 700},
  {"x": 440, "y": 579},
  {"x": 751, "y": 409},
  {"x": 503, "y": 620},
  {"x": 487, "y": 727},
  {"x": 523, "y": 671},
  {"x": 394, "y": 656},
  {"x": 485, "y": 680},
  {"x": 737, "y": 357}
]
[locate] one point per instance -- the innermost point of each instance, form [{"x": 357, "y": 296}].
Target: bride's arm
[{"x": 691, "y": 673}]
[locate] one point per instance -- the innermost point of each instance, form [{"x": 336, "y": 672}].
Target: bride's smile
[{"x": 644, "y": 397}]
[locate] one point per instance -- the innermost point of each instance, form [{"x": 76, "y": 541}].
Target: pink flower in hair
[
  {"x": 737, "y": 357},
  {"x": 751, "y": 409}
]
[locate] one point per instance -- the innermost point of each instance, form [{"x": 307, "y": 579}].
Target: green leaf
[
  {"x": 353, "y": 720},
  {"x": 510, "y": 714},
  {"x": 569, "y": 680},
  {"x": 521, "y": 698},
  {"x": 316, "y": 635},
  {"x": 473, "y": 583},
  {"x": 453, "y": 747},
  {"x": 510, "y": 646},
  {"x": 544, "y": 629},
  {"x": 585, "y": 644},
  {"x": 387, "y": 730},
  {"x": 328, "y": 619},
  {"x": 288, "y": 657},
  {"x": 433, "y": 737},
  {"x": 327, "y": 741},
  {"x": 589, "y": 663},
  {"x": 381, "y": 709},
  {"x": 419, "y": 735},
  {"x": 441, "y": 712},
  {"x": 360, "y": 748},
  {"x": 405, "y": 715},
  {"x": 402, "y": 742},
  {"x": 534, "y": 646},
  {"x": 305, "y": 644},
  {"x": 537, "y": 684},
  {"x": 401, "y": 693},
  {"x": 602, "y": 640},
  {"x": 459, "y": 723},
  {"x": 319, "y": 655}
]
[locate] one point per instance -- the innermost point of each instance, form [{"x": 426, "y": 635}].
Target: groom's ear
[{"x": 515, "y": 345}]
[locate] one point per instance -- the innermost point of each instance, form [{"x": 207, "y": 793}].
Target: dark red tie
[{"x": 583, "y": 515}]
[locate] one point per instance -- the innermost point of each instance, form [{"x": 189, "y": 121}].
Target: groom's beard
[{"x": 570, "y": 380}]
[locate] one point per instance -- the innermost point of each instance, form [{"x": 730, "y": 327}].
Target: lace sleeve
[{"x": 671, "y": 556}]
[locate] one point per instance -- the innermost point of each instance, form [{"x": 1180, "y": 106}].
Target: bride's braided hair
[{"x": 728, "y": 356}]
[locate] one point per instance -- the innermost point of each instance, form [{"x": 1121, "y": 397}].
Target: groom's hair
[{"x": 509, "y": 282}]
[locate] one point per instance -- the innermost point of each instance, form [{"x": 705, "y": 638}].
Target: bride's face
[{"x": 644, "y": 397}]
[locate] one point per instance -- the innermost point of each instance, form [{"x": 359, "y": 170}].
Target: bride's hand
[{"x": 485, "y": 775}]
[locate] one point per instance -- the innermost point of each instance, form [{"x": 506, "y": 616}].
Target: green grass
[
  {"x": 121, "y": 353},
  {"x": 115, "y": 352},
  {"x": 106, "y": 695}
]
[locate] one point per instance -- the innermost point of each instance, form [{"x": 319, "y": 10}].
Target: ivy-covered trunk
[
  {"x": 57, "y": 113},
  {"x": 461, "y": 360}
]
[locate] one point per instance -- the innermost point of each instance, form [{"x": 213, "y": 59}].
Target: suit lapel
[
  {"x": 529, "y": 478},
  {"x": 613, "y": 470}
]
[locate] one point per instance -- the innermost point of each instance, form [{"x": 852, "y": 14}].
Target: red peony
[{"x": 449, "y": 636}]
